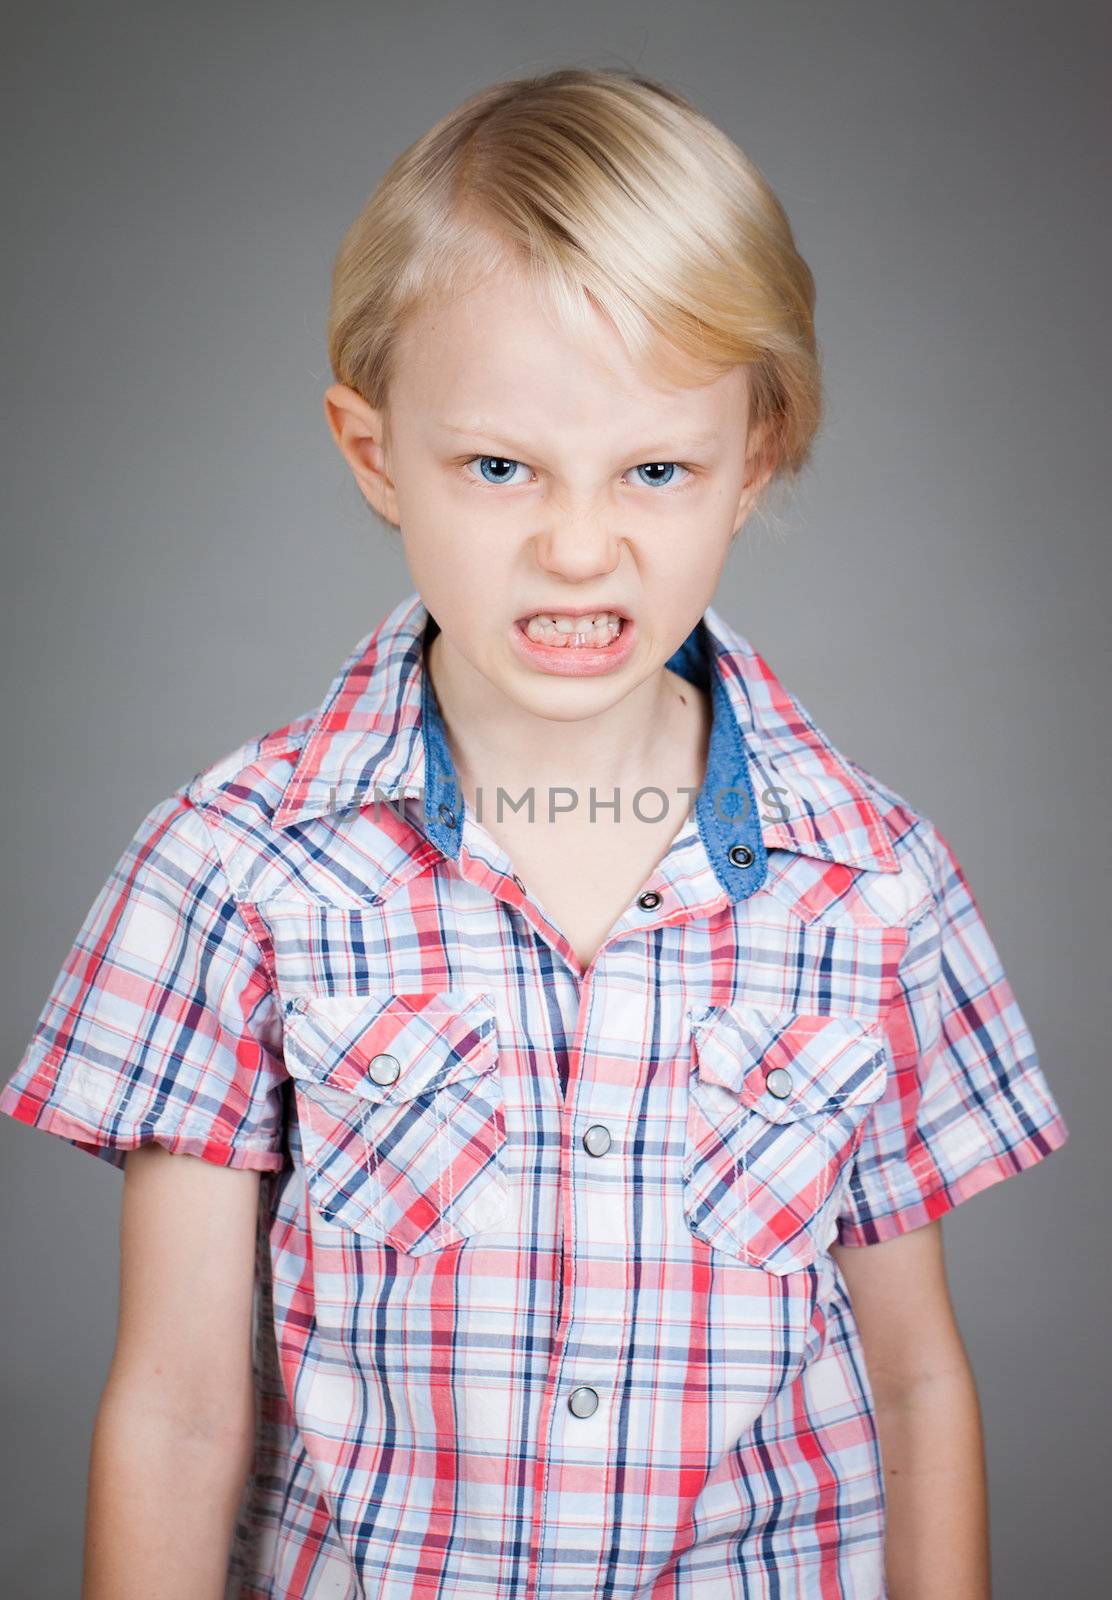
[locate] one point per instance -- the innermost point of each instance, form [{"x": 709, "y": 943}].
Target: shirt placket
[
  {"x": 584, "y": 1418},
  {"x": 585, "y": 1415}
]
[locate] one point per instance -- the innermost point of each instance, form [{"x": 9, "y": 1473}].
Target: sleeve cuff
[{"x": 924, "y": 1204}]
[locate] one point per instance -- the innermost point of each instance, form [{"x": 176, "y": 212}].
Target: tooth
[{"x": 574, "y": 632}]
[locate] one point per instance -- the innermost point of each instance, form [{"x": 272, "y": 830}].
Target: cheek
[
  {"x": 420, "y": 491},
  {"x": 455, "y": 574},
  {"x": 442, "y": 512},
  {"x": 685, "y": 559}
]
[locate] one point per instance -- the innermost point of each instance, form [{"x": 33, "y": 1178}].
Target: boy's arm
[
  {"x": 175, "y": 1425},
  {"x": 928, "y": 1417}
]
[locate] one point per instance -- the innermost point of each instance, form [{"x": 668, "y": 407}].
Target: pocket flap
[
  {"x": 789, "y": 1064},
  {"x": 436, "y": 1038}
]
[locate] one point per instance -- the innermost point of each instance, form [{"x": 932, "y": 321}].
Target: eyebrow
[{"x": 684, "y": 443}]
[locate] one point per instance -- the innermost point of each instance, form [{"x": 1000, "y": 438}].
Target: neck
[{"x": 654, "y": 735}]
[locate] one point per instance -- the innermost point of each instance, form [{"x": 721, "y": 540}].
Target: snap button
[
  {"x": 583, "y": 1402},
  {"x": 519, "y": 883},
  {"x": 446, "y": 814},
  {"x": 779, "y": 1082},
  {"x": 741, "y": 856},
  {"x": 385, "y": 1069},
  {"x": 649, "y": 900},
  {"x": 596, "y": 1140}
]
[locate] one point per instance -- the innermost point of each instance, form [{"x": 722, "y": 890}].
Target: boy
[{"x": 576, "y": 1102}]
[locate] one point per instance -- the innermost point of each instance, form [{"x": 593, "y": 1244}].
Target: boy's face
[{"x": 531, "y": 474}]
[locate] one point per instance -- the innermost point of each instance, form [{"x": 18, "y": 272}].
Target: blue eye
[
  {"x": 669, "y": 468},
  {"x": 501, "y": 468}
]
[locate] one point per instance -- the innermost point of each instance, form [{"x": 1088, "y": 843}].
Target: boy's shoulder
[
  {"x": 251, "y": 778},
  {"x": 883, "y": 864},
  {"x": 916, "y": 841}
]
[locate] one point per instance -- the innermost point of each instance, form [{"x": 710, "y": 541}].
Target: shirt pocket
[
  {"x": 401, "y": 1113},
  {"x": 777, "y": 1106}
]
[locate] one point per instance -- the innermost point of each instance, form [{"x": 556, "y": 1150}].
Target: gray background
[{"x": 188, "y": 560}]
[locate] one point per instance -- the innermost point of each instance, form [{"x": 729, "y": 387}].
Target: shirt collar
[{"x": 773, "y": 780}]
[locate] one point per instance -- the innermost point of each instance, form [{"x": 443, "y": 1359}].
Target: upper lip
[{"x": 574, "y": 611}]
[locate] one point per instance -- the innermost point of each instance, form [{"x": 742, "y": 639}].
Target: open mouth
[{"x": 595, "y": 630}]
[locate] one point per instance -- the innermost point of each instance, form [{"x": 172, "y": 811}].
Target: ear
[
  {"x": 760, "y": 463},
  {"x": 361, "y": 437}
]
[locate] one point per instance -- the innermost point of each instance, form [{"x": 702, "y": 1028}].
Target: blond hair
[{"x": 611, "y": 191}]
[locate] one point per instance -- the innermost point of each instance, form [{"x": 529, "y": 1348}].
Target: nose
[{"x": 578, "y": 548}]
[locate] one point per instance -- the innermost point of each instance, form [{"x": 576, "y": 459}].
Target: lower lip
[{"x": 574, "y": 660}]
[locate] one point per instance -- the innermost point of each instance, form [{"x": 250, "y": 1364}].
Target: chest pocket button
[
  {"x": 779, "y": 1082},
  {"x": 384, "y": 1069}
]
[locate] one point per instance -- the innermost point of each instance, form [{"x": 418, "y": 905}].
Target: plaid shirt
[{"x": 545, "y": 1305}]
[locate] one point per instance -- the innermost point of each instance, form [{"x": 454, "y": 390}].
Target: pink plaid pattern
[{"x": 545, "y": 1300}]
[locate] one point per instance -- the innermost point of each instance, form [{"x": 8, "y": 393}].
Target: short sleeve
[
  {"x": 966, "y": 1103},
  {"x": 162, "y": 1025}
]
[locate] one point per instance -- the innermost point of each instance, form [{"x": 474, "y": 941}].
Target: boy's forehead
[
  {"x": 512, "y": 434},
  {"x": 463, "y": 361},
  {"x": 530, "y": 402}
]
